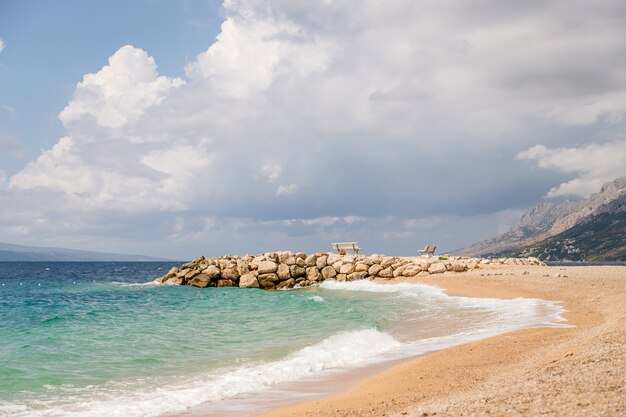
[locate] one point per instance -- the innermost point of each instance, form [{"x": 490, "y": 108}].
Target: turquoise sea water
[{"x": 97, "y": 338}]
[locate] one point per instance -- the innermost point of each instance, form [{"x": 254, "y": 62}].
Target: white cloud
[
  {"x": 2, "y": 45},
  {"x": 271, "y": 172},
  {"x": 254, "y": 48},
  {"x": 120, "y": 92},
  {"x": 594, "y": 164},
  {"x": 287, "y": 189}
]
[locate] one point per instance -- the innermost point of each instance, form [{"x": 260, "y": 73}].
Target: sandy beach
[{"x": 578, "y": 371}]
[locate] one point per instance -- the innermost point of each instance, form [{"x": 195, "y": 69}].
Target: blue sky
[
  {"x": 179, "y": 128},
  {"x": 53, "y": 44}
]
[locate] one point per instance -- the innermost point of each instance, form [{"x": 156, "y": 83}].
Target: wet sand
[{"x": 579, "y": 371}]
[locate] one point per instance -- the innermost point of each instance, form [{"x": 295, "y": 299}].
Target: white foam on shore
[
  {"x": 507, "y": 315},
  {"x": 342, "y": 351}
]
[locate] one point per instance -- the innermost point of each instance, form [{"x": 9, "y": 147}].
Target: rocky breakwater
[{"x": 281, "y": 270}]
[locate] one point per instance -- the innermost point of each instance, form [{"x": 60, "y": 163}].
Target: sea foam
[{"x": 342, "y": 350}]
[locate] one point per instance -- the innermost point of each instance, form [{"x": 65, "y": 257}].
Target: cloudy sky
[{"x": 179, "y": 128}]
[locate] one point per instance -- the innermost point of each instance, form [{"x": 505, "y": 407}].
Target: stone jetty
[{"x": 282, "y": 270}]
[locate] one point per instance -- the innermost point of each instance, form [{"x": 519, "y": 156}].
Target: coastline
[{"x": 551, "y": 371}]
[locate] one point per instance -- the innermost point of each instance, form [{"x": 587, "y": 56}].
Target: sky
[{"x": 181, "y": 128}]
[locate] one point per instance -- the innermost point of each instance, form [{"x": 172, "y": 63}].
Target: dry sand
[{"x": 578, "y": 371}]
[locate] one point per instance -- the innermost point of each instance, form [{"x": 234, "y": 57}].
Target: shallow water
[{"x": 91, "y": 339}]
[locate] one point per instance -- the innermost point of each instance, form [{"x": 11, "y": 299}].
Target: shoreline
[{"x": 551, "y": 371}]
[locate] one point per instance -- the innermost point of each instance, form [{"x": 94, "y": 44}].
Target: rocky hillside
[
  {"x": 281, "y": 270},
  {"x": 600, "y": 238},
  {"x": 584, "y": 230}
]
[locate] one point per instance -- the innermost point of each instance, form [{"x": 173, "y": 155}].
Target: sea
[{"x": 101, "y": 339}]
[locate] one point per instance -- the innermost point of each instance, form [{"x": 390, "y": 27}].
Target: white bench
[
  {"x": 353, "y": 246},
  {"x": 428, "y": 250}
]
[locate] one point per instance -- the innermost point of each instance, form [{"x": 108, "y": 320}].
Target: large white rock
[
  {"x": 267, "y": 267},
  {"x": 311, "y": 260},
  {"x": 346, "y": 269},
  {"x": 283, "y": 271},
  {"x": 313, "y": 274},
  {"x": 375, "y": 269},
  {"x": 328, "y": 272},
  {"x": 332, "y": 258},
  {"x": 321, "y": 262},
  {"x": 437, "y": 268},
  {"x": 411, "y": 270},
  {"x": 248, "y": 281},
  {"x": 212, "y": 271}
]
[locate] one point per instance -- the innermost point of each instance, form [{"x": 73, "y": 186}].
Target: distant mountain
[
  {"x": 592, "y": 229},
  {"x": 10, "y": 252}
]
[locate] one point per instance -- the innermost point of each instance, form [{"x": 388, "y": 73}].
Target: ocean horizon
[{"x": 100, "y": 338}]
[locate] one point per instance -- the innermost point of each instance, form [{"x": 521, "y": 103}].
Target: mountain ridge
[
  {"x": 12, "y": 252},
  {"x": 551, "y": 223}
]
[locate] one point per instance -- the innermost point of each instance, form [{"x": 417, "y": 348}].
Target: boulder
[
  {"x": 286, "y": 284},
  {"x": 397, "y": 272},
  {"x": 225, "y": 283},
  {"x": 437, "y": 268},
  {"x": 283, "y": 271},
  {"x": 300, "y": 262},
  {"x": 192, "y": 273},
  {"x": 375, "y": 269},
  {"x": 242, "y": 268},
  {"x": 387, "y": 262},
  {"x": 337, "y": 265},
  {"x": 320, "y": 263},
  {"x": 267, "y": 267},
  {"x": 230, "y": 274},
  {"x": 200, "y": 281},
  {"x": 329, "y": 272},
  {"x": 311, "y": 260},
  {"x": 342, "y": 277},
  {"x": 212, "y": 272},
  {"x": 459, "y": 267},
  {"x": 411, "y": 270},
  {"x": 386, "y": 273},
  {"x": 248, "y": 281},
  {"x": 357, "y": 275},
  {"x": 283, "y": 256},
  {"x": 332, "y": 258},
  {"x": 268, "y": 277},
  {"x": 425, "y": 265},
  {"x": 361, "y": 268},
  {"x": 368, "y": 261},
  {"x": 313, "y": 274},
  {"x": 266, "y": 284},
  {"x": 174, "y": 281},
  {"x": 346, "y": 269},
  {"x": 297, "y": 271}
]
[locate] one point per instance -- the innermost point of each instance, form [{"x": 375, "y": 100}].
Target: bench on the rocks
[
  {"x": 343, "y": 246},
  {"x": 428, "y": 250}
]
